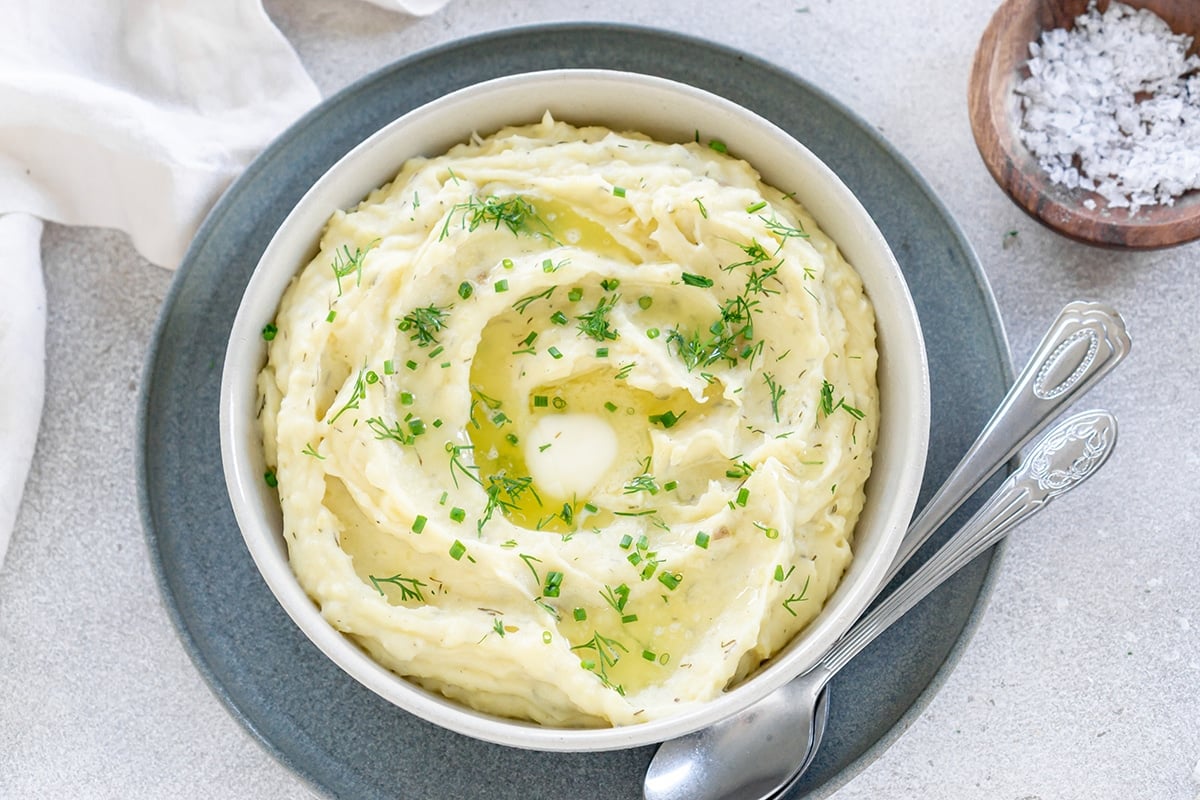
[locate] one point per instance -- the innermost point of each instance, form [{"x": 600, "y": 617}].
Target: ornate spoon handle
[
  {"x": 1082, "y": 346},
  {"x": 1063, "y": 459}
]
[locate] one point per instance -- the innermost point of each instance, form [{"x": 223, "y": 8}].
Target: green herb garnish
[
  {"x": 595, "y": 323},
  {"x": 776, "y": 391},
  {"x": 797, "y": 598},
  {"x": 410, "y": 588},
  {"x": 424, "y": 324},
  {"x": 346, "y": 263},
  {"x": 523, "y": 304}
]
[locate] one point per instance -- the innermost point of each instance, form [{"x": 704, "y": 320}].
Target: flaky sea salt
[{"x": 1113, "y": 106}]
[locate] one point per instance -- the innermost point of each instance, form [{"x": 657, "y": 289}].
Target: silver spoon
[
  {"x": 1084, "y": 343},
  {"x": 1063, "y": 459}
]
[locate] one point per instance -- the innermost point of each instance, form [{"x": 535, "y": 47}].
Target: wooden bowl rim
[{"x": 1017, "y": 172}]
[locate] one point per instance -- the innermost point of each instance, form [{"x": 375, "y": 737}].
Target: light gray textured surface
[{"x": 1081, "y": 681}]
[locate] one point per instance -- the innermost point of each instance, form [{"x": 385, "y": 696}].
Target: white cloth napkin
[{"x": 127, "y": 114}]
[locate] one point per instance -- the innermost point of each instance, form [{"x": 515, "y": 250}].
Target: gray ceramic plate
[{"x": 338, "y": 736}]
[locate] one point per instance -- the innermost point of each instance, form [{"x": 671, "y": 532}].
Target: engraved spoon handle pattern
[
  {"x": 1063, "y": 459},
  {"x": 1082, "y": 346}
]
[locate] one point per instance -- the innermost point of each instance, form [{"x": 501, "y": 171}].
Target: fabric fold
[{"x": 126, "y": 114}]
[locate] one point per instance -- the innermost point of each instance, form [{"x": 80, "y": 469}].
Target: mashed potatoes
[{"x": 570, "y": 425}]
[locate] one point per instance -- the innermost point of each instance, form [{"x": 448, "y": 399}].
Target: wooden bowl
[{"x": 995, "y": 119}]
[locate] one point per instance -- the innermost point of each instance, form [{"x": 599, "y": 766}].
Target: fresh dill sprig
[
  {"x": 776, "y": 391},
  {"x": 606, "y": 657},
  {"x": 346, "y": 263},
  {"x": 755, "y": 255},
  {"x": 425, "y": 323},
  {"x": 457, "y": 464},
  {"x": 595, "y": 323},
  {"x": 828, "y": 406},
  {"x": 359, "y": 392},
  {"x": 797, "y": 598},
  {"x": 522, "y": 304},
  {"x": 515, "y": 213},
  {"x": 396, "y": 433},
  {"x": 642, "y": 483},
  {"x": 410, "y": 588},
  {"x": 503, "y": 494}
]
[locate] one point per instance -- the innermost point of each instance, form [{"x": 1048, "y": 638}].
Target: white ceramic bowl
[{"x": 667, "y": 111}]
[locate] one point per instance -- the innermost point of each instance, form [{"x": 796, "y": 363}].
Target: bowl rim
[{"x": 243, "y": 480}]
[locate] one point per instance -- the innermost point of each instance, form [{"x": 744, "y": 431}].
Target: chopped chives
[
  {"x": 540, "y": 401},
  {"x": 619, "y": 191},
  {"x": 702, "y": 539},
  {"x": 645, "y": 301},
  {"x": 389, "y": 367},
  {"x": 458, "y": 514},
  {"x": 457, "y": 550},
  {"x": 411, "y": 364},
  {"x": 652, "y": 333},
  {"x": 416, "y": 426},
  {"x": 502, "y": 285},
  {"x": 692, "y": 279},
  {"x": 759, "y": 206},
  {"x": 270, "y": 479},
  {"x": 649, "y": 655},
  {"x": 331, "y": 316},
  {"x": 575, "y": 295},
  {"x": 670, "y": 486},
  {"x": 465, "y": 290},
  {"x": 419, "y": 523},
  {"x": 625, "y": 542},
  {"x": 559, "y": 318},
  {"x": 580, "y": 614},
  {"x": 771, "y": 533},
  {"x": 559, "y": 403},
  {"x": 554, "y": 352},
  {"x": 507, "y": 263},
  {"x": 269, "y": 330},
  {"x": 742, "y": 496},
  {"x": 610, "y": 405},
  {"x": 601, "y": 352},
  {"x": 628, "y": 618},
  {"x": 668, "y": 419},
  {"x": 718, "y": 146},
  {"x": 553, "y": 585},
  {"x": 608, "y": 284},
  {"x": 671, "y": 580}
]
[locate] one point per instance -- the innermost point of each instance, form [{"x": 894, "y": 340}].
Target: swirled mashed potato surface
[{"x": 570, "y": 425}]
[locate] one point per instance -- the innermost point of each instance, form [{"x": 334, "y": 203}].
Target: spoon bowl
[
  {"x": 773, "y": 741},
  {"x": 996, "y": 119},
  {"x": 770, "y": 763}
]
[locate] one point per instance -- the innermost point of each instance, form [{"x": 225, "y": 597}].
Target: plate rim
[{"x": 277, "y": 148}]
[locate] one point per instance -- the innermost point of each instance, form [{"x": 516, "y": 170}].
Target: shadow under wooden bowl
[{"x": 995, "y": 114}]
